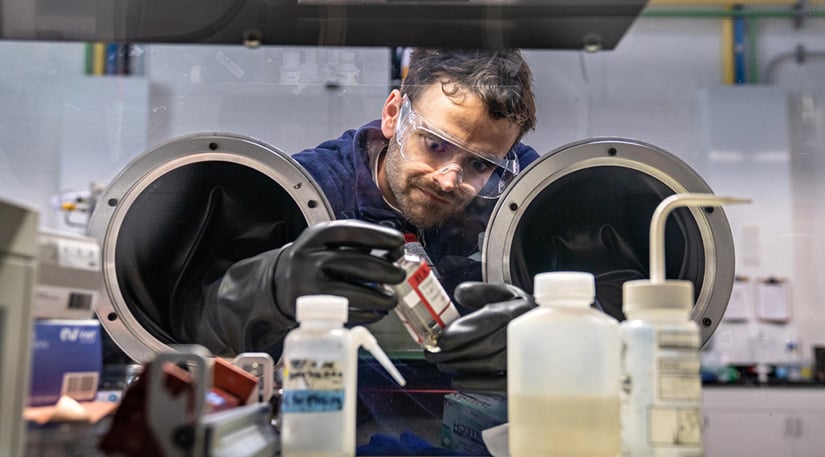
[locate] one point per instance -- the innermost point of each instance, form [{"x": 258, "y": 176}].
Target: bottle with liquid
[
  {"x": 563, "y": 372},
  {"x": 423, "y": 305},
  {"x": 320, "y": 363},
  {"x": 662, "y": 386}
]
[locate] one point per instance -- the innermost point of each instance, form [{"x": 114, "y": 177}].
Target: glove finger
[
  {"x": 362, "y": 316},
  {"x": 362, "y": 296},
  {"x": 494, "y": 363},
  {"x": 476, "y": 326},
  {"x": 489, "y": 384},
  {"x": 353, "y": 233},
  {"x": 483, "y": 346},
  {"x": 474, "y": 295},
  {"x": 362, "y": 267}
]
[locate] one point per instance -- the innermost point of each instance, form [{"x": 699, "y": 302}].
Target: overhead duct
[
  {"x": 232, "y": 193},
  {"x": 587, "y": 206},
  {"x": 548, "y": 24}
]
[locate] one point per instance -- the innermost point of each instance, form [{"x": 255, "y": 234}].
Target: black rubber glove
[
  {"x": 335, "y": 258},
  {"x": 474, "y": 347}
]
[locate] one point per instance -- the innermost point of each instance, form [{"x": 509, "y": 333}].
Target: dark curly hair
[{"x": 501, "y": 79}]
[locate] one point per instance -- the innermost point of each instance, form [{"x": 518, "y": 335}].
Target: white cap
[
  {"x": 565, "y": 288},
  {"x": 643, "y": 294},
  {"x": 321, "y": 307}
]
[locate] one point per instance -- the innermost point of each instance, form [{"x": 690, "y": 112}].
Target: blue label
[{"x": 312, "y": 401}]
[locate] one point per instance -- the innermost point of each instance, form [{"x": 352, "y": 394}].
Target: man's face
[{"x": 428, "y": 189}]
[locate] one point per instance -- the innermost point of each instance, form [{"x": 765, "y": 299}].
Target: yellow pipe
[
  {"x": 99, "y": 58},
  {"x": 727, "y": 50}
]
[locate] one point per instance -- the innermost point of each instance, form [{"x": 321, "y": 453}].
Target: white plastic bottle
[
  {"x": 662, "y": 386},
  {"x": 320, "y": 363},
  {"x": 662, "y": 398},
  {"x": 563, "y": 373}
]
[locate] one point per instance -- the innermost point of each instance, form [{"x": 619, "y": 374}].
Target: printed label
[
  {"x": 674, "y": 426},
  {"x": 80, "y": 386},
  {"x": 678, "y": 365},
  {"x": 78, "y": 254},
  {"x": 429, "y": 290},
  {"x": 63, "y": 299},
  {"x": 677, "y": 340},
  {"x": 679, "y": 387},
  {"x": 683, "y": 365}
]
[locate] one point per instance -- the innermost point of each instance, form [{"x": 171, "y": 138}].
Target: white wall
[
  {"x": 61, "y": 130},
  {"x": 248, "y": 91}
]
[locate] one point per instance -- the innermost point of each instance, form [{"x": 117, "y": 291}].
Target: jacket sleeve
[
  {"x": 237, "y": 312},
  {"x": 220, "y": 293}
]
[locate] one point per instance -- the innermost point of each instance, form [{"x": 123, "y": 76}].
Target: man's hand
[
  {"x": 474, "y": 347},
  {"x": 335, "y": 258}
]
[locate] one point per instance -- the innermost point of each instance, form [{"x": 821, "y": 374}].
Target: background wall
[{"x": 62, "y": 131}]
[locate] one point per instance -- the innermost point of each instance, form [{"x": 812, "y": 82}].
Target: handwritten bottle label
[{"x": 313, "y": 386}]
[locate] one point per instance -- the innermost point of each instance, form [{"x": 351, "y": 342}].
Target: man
[
  {"x": 443, "y": 151},
  {"x": 431, "y": 168}
]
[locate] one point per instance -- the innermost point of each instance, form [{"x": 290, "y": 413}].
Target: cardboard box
[
  {"x": 68, "y": 276},
  {"x": 66, "y": 360},
  {"x": 466, "y": 416}
]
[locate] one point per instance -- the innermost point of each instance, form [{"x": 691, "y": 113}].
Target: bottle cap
[
  {"x": 644, "y": 294},
  {"x": 564, "y": 288},
  {"x": 321, "y": 307}
]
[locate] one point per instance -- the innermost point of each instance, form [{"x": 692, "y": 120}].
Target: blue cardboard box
[{"x": 67, "y": 359}]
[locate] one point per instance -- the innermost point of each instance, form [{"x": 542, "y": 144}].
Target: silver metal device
[
  {"x": 18, "y": 260},
  {"x": 573, "y": 191},
  {"x": 157, "y": 203},
  {"x": 244, "y": 431}
]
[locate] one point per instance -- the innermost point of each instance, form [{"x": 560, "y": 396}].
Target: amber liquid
[{"x": 564, "y": 426}]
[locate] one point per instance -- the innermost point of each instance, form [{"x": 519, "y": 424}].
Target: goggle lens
[{"x": 485, "y": 174}]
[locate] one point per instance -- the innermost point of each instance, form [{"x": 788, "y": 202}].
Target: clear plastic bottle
[
  {"x": 423, "y": 305},
  {"x": 662, "y": 387},
  {"x": 563, "y": 373},
  {"x": 320, "y": 363}
]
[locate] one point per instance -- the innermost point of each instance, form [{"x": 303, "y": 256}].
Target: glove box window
[
  {"x": 178, "y": 216},
  {"x": 597, "y": 220},
  {"x": 189, "y": 226},
  {"x": 587, "y": 206}
]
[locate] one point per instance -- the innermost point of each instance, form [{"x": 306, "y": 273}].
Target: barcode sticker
[
  {"x": 80, "y": 386},
  {"x": 80, "y": 301},
  {"x": 54, "y": 302}
]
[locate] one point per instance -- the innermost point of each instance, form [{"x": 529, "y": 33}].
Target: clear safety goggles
[{"x": 482, "y": 174}]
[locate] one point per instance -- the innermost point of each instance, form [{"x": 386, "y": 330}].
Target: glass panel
[{"x": 736, "y": 93}]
